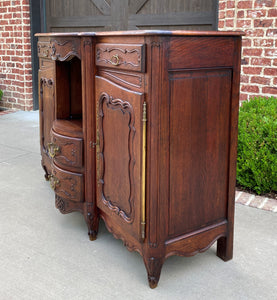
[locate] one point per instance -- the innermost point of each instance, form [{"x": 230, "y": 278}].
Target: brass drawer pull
[
  {"x": 53, "y": 149},
  {"x": 54, "y": 181},
  {"x": 115, "y": 60}
]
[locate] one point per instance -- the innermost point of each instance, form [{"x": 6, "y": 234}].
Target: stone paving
[{"x": 46, "y": 255}]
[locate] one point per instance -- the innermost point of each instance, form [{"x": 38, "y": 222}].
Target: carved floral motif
[
  {"x": 67, "y": 159},
  {"x": 47, "y": 82},
  {"x": 57, "y": 50}
]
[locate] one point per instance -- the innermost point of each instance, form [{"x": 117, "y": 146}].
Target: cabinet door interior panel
[{"x": 47, "y": 103}]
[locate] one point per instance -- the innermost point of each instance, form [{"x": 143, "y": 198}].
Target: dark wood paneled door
[
  {"x": 119, "y": 157},
  {"x": 103, "y": 15},
  {"x": 46, "y": 78}
]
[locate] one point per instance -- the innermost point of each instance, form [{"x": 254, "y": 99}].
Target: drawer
[
  {"x": 67, "y": 185},
  {"x": 121, "y": 56},
  {"x": 67, "y": 152}
]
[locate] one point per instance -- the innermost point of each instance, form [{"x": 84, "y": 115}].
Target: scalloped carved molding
[
  {"x": 58, "y": 50},
  {"x": 188, "y": 251},
  {"x": 131, "y": 247},
  {"x": 126, "y": 108}
]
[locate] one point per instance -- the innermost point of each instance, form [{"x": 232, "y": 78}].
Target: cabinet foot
[
  {"x": 153, "y": 266},
  {"x": 225, "y": 248},
  {"x": 153, "y": 282},
  {"x": 92, "y": 235},
  {"x": 92, "y": 223}
]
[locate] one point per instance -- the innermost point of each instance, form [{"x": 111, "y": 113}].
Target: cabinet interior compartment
[{"x": 69, "y": 90}]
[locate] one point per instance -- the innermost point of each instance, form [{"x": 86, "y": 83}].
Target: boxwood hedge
[{"x": 257, "y": 145}]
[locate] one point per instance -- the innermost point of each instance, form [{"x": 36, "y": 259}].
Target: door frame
[{"x": 38, "y": 24}]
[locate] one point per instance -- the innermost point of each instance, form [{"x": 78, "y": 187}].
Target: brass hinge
[
  {"x": 97, "y": 143},
  {"x": 143, "y": 172}
]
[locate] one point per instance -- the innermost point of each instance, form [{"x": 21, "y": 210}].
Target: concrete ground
[{"x": 47, "y": 255}]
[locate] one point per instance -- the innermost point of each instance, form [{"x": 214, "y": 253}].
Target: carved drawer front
[
  {"x": 67, "y": 185},
  {"x": 59, "y": 48},
  {"x": 67, "y": 152},
  {"x": 121, "y": 56}
]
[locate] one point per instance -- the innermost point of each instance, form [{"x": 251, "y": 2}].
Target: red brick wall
[
  {"x": 258, "y": 19},
  {"x": 15, "y": 55}
]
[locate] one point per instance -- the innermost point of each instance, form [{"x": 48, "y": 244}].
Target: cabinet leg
[
  {"x": 153, "y": 266},
  {"x": 92, "y": 221},
  {"x": 225, "y": 248}
]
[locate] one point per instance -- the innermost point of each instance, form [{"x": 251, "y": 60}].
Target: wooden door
[
  {"x": 119, "y": 158},
  {"x": 103, "y": 15},
  {"x": 46, "y": 102}
]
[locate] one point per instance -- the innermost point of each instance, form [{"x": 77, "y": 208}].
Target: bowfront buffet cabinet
[{"x": 139, "y": 128}]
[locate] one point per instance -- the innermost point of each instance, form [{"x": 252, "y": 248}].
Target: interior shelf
[{"x": 72, "y": 128}]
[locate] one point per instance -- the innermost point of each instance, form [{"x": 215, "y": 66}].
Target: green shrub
[
  {"x": 1, "y": 94},
  {"x": 257, "y": 145}
]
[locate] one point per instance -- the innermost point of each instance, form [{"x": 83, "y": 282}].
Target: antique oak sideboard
[{"x": 139, "y": 128}]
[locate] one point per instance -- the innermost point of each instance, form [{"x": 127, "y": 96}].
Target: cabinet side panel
[
  {"x": 199, "y": 148},
  {"x": 195, "y": 52}
]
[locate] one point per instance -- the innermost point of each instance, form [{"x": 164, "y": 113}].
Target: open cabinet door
[
  {"x": 46, "y": 79},
  {"x": 119, "y": 159}
]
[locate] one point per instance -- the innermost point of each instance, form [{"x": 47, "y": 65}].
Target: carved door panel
[
  {"x": 119, "y": 157},
  {"x": 46, "y": 102}
]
